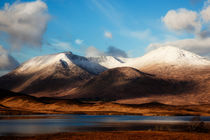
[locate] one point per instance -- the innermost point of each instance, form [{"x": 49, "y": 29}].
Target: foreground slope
[{"x": 17, "y": 103}]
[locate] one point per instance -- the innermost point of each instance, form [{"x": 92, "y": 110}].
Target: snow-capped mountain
[
  {"x": 96, "y": 65},
  {"x": 164, "y": 55},
  {"x": 52, "y": 75},
  {"x": 168, "y": 55},
  {"x": 52, "y": 62}
]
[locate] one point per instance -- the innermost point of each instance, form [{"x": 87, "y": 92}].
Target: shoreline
[{"x": 20, "y": 112}]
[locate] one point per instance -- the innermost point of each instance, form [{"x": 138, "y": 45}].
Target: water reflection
[{"x": 42, "y": 124}]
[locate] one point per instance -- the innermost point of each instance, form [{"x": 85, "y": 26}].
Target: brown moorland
[
  {"x": 122, "y": 135},
  {"x": 17, "y": 103}
]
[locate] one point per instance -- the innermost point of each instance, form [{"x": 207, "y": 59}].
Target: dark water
[{"x": 43, "y": 124}]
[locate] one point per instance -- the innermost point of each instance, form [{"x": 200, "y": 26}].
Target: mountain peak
[
  {"x": 60, "y": 60},
  {"x": 174, "y": 56}
]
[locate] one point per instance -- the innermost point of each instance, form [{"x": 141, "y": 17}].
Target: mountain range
[{"x": 167, "y": 75}]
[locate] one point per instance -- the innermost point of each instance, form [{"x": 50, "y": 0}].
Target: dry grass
[
  {"x": 30, "y": 106},
  {"x": 130, "y": 135},
  {"x": 15, "y": 103}
]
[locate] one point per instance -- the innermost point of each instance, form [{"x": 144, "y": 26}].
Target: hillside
[{"x": 126, "y": 83}]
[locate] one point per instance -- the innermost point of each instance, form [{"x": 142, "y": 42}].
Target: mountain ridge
[{"x": 65, "y": 74}]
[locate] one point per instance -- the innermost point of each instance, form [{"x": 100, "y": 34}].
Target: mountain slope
[
  {"x": 126, "y": 83},
  {"x": 48, "y": 75}
]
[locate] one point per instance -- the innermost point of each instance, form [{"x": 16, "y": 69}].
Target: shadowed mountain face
[{"x": 126, "y": 82}]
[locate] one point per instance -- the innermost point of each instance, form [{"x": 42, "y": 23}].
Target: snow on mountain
[
  {"x": 49, "y": 75},
  {"x": 51, "y": 62},
  {"x": 95, "y": 65},
  {"x": 107, "y": 61},
  {"x": 164, "y": 55},
  {"x": 168, "y": 55},
  {"x": 66, "y": 71}
]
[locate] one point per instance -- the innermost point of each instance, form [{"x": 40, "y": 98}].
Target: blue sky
[{"x": 133, "y": 26}]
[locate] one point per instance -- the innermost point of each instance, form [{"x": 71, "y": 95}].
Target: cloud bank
[
  {"x": 24, "y": 23},
  {"x": 182, "y": 20},
  {"x": 7, "y": 62}
]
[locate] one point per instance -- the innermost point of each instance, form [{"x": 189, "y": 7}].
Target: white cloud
[
  {"x": 196, "y": 45},
  {"x": 182, "y": 20},
  {"x": 7, "y": 62},
  {"x": 78, "y": 41},
  {"x": 108, "y": 34},
  {"x": 205, "y": 13},
  {"x": 93, "y": 52},
  {"x": 25, "y": 23},
  {"x": 60, "y": 45}
]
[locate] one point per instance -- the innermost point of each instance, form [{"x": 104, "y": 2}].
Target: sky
[{"x": 125, "y": 28}]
